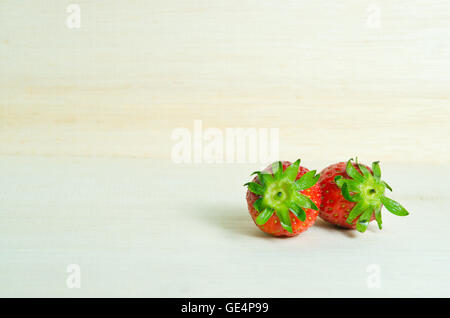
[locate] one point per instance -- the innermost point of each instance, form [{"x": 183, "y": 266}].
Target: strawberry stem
[
  {"x": 367, "y": 190},
  {"x": 279, "y": 193}
]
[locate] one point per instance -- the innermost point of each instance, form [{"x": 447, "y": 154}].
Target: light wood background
[
  {"x": 135, "y": 70},
  {"x": 76, "y": 103}
]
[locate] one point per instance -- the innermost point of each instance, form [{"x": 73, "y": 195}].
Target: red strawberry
[
  {"x": 353, "y": 195},
  {"x": 283, "y": 199}
]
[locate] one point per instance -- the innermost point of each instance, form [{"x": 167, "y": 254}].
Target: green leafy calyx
[
  {"x": 279, "y": 193},
  {"x": 367, "y": 190}
]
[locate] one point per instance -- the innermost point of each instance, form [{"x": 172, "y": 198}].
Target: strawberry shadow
[
  {"x": 235, "y": 219},
  {"x": 232, "y": 219},
  {"x": 331, "y": 227}
]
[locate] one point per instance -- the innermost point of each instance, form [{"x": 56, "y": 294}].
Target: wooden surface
[
  {"x": 140, "y": 227},
  {"x": 86, "y": 117},
  {"x": 136, "y": 70}
]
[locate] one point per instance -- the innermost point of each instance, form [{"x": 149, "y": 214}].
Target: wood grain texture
[
  {"x": 133, "y": 233},
  {"x": 136, "y": 70}
]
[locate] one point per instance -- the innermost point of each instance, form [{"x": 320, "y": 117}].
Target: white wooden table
[
  {"x": 141, "y": 227},
  {"x": 86, "y": 117}
]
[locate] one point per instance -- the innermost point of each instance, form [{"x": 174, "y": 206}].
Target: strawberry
[
  {"x": 283, "y": 199},
  {"x": 353, "y": 195}
]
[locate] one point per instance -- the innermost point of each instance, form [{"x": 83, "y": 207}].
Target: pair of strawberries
[{"x": 285, "y": 198}]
